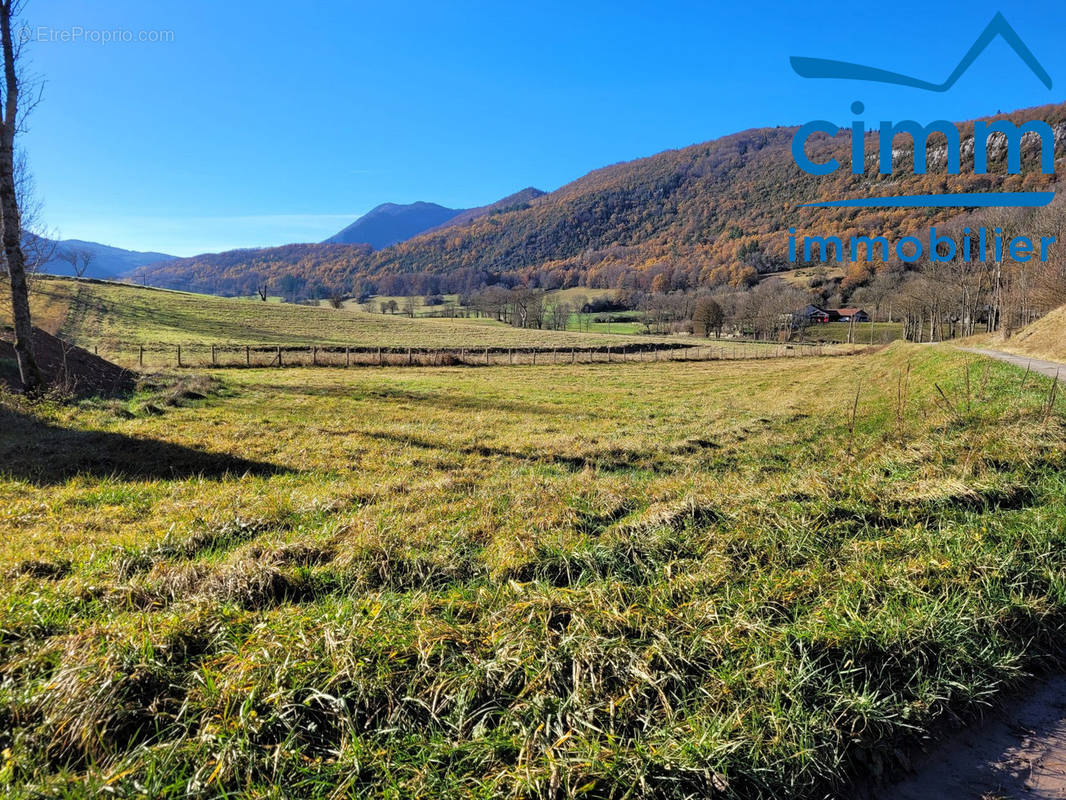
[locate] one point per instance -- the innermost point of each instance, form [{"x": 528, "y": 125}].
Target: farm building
[
  {"x": 850, "y": 315},
  {"x": 812, "y": 314}
]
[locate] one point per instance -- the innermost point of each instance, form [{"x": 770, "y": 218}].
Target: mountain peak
[
  {"x": 418, "y": 205},
  {"x": 390, "y": 223}
]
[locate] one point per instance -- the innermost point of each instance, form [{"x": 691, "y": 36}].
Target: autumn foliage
[{"x": 711, "y": 214}]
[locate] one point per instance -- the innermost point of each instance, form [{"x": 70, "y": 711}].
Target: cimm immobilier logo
[{"x": 909, "y": 248}]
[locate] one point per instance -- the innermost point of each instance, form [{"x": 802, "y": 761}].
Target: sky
[{"x": 247, "y": 124}]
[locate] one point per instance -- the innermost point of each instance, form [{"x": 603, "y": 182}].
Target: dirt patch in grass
[
  {"x": 1017, "y": 752},
  {"x": 67, "y": 368}
]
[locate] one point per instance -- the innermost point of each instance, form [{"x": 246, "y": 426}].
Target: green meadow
[
  {"x": 115, "y": 317},
  {"x": 685, "y": 580}
]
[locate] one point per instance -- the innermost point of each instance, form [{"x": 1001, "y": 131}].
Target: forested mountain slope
[{"x": 711, "y": 213}]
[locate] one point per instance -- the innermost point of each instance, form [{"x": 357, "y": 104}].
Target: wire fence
[{"x": 199, "y": 355}]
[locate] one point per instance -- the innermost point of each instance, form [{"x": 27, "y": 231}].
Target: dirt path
[
  {"x": 1016, "y": 753},
  {"x": 1052, "y": 369}
]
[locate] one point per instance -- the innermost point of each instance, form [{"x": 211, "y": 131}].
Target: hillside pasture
[
  {"x": 96, "y": 313},
  {"x": 861, "y": 332}
]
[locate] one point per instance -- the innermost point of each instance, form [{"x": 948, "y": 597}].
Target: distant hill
[
  {"x": 708, "y": 214},
  {"x": 107, "y": 262},
  {"x": 390, "y": 223},
  {"x": 292, "y": 270}
]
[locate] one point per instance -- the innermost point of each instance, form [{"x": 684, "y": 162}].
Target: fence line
[{"x": 204, "y": 355}]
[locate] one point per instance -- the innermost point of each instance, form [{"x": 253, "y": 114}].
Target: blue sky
[{"x": 261, "y": 123}]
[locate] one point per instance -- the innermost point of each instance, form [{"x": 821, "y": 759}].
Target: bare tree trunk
[
  {"x": 996, "y": 314},
  {"x": 11, "y": 233}
]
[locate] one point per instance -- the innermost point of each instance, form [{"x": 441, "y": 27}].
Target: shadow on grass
[
  {"x": 44, "y": 454},
  {"x": 444, "y": 402},
  {"x": 612, "y": 460}
]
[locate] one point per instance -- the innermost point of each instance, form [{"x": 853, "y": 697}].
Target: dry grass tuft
[{"x": 37, "y": 568}]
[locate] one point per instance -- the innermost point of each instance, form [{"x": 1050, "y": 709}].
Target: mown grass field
[
  {"x": 802, "y": 277},
  {"x": 571, "y": 296},
  {"x": 862, "y": 333},
  {"x": 116, "y": 316},
  {"x": 643, "y": 580},
  {"x": 621, "y": 322}
]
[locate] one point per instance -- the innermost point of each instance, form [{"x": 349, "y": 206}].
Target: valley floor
[
  {"x": 118, "y": 318},
  {"x": 750, "y": 579}
]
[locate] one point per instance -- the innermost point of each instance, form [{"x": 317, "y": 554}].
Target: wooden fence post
[
  {"x": 247, "y": 356},
  {"x": 140, "y": 357},
  {"x": 279, "y": 355},
  {"x": 214, "y": 358},
  {"x": 380, "y": 362},
  {"x": 510, "y": 355},
  {"x": 347, "y": 357},
  {"x": 179, "y": 355},
  {"x": 486, "y": 356},
  {"x": 573, "y": 355},
  {"x": 314, "y": 356},
  {"x": 409, "y": 361},
  {"x": 534, "y": 357}
]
